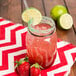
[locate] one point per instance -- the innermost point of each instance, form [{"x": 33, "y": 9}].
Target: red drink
[{"x": 41, "y": 44}]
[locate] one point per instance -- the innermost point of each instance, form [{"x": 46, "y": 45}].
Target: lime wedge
[
  {"x": 65, "y": 21},
  {"x": 32, "y": 13}
]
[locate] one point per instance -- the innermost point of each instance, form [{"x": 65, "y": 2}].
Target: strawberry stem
[
  {"x": 36, "y": 65},
  {"x": 26, "y": 59}
]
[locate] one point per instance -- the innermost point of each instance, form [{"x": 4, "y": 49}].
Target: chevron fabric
[{"x": 12, "y": 47}]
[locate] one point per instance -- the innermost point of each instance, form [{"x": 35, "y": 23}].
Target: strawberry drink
[{"x": 41, "y": 40}]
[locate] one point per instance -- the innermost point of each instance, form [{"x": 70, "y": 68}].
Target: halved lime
[
  {"x": 32, "y": 13},
  {"x": 57, "y": 11},
  {"x": 65, "y": 21}
]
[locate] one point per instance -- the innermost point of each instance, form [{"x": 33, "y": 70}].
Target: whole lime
[{"x": 57, "y": 11}]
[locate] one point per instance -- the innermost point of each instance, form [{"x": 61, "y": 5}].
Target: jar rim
[{"x": 51, "y": 22}]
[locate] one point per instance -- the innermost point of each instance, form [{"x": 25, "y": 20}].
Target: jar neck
[
  {"x": 42, "y": 35},
  {"x": 40, "y": 32}
]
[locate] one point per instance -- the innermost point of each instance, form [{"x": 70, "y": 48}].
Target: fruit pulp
[{"x": 41, "y": 49}]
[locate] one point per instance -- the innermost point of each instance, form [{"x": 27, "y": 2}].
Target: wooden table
[{"x": 12, "y": 9}]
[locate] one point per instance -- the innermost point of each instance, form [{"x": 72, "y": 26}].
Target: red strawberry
[
  {"x": 35, "y": 70},
  {"x": 23, "y": 67}
]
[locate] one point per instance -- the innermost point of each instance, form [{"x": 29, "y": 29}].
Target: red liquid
[{"x": 41, "y": 49}]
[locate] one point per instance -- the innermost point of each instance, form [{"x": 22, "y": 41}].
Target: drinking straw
[{"x": 25, "y": 3}]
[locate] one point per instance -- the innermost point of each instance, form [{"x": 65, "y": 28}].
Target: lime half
[
  {"x": 65, "y": 21},
  {"x": 32, "y": 13}
]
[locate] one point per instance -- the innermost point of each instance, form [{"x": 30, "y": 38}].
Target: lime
[
  {"x": 57, "y": 11},
  {"x": 32, "y": 13},
  {"x": 65, "y": 21}
]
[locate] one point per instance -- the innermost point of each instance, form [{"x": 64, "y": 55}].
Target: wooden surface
[{"x": 12, "y": 9}]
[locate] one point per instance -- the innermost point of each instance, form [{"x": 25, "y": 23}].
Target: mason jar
[{"x": 41, "y": 42}]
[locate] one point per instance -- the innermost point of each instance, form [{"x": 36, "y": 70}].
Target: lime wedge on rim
[
  {"x": 32, "y": 13},
  {"x": 65, "y": 21}
]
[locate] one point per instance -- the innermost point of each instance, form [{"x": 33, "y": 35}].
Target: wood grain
[
  {"x": 71, "y": 5},
  {"x": 4, "y": 8},
  {"x": 64, "y": 35},
  {"x": 11, "y": 9},
  {"x": 73, "y": 70}
]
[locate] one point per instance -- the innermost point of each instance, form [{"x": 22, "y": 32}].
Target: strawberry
[
  {"x": 23, "y": 67},
  {"x": 35, "y": 70}
]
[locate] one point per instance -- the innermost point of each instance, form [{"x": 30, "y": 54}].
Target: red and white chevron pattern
[{"x": 12, "y": 47}]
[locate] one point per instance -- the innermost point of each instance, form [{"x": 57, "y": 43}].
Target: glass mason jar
[{"x": 41, "y": 42}]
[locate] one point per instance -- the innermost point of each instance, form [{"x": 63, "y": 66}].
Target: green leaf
[
  {"x": 26, "y": 59},
  {"x": 16, "y": 66},
  {"x": 21, "y": 61},
  {"x": 16, "y": 62}
]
